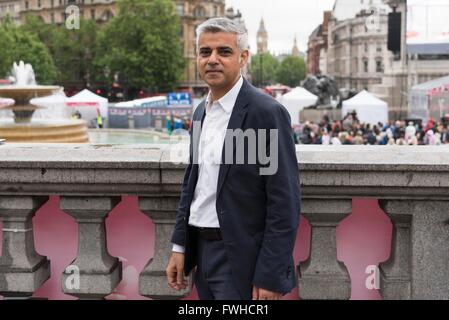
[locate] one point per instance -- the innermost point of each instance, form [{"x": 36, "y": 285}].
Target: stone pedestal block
[
  {"x": 322, "y": 276},
  {"x": 418, "y": 267},
  {"x": 99, "y": 273},
  {"x": 22, "y": 269},
  {"x": 153, "y": 279}
]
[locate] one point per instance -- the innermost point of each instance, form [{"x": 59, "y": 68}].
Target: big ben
[{"x": 262, "y": 38}]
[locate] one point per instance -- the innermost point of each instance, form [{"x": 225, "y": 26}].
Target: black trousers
[{"x": 213, "y": 276}]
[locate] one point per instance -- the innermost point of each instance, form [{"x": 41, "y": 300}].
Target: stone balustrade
[{"x": 410, "y": 183}]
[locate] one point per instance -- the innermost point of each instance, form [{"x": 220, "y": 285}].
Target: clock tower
[
  {"x": 295, "y": 50},
  {"x": 262, "y": 38}
]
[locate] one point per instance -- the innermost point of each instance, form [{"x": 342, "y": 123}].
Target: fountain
[{"x": 22, "y": 128}]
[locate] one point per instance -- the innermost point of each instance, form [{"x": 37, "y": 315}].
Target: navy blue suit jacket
[{"x": 258, "y": 214}]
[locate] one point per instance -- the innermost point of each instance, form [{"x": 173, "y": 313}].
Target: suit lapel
[
  {"x": 235, "y": 122},
  {"x": 198, "y": 116}
]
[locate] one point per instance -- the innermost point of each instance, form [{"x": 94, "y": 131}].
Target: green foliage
[
  {"x": 73, "y": 51},
  {"x": 291, "y": 71},
  {"x": 20, "y": 44},
  {"x": 264, "y": 69},
  {"x": 142, "y": 44}
]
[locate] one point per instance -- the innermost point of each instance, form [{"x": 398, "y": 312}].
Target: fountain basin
[
  {"x": 28, "y": 91},
  {"x": 22, "y": 109},
  {"x": 44, "y": 131}
]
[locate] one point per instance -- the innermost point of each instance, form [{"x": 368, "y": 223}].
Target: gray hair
[{"x": 224, "y": 25}]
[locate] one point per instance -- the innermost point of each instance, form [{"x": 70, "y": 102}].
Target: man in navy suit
[{"x": 240, "y": 201}]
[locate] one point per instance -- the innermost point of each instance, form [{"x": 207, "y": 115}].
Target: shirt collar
[{"x": 227, "y": 102}]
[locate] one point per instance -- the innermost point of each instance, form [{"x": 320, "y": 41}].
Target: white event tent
[
  {"x": 296, "y": 100},
  {"x": 369, "y": 108},
  {"x": 421, "y": 98},
  {"x": 125, "y": 104},
  {"x": 87, "y": 103}
]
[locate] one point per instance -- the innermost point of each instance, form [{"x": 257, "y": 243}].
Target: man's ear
[{"x": 244, "y": 56}]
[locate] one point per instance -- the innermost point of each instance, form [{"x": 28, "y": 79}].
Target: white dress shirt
[{"x": 203, "y": 212}]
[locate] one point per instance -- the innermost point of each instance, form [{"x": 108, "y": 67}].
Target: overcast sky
[
  {"x": 283, "y": 20},
  {"x": 286, "y": 18}
]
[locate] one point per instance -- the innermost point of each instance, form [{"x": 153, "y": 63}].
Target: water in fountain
[
  {"x": 20, "y": 127},
  {"x": 23, "y": 74}
]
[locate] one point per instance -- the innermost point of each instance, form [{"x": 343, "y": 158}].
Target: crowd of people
[
  {"x": 350, "y": 131},
  {"x": 173, "y": 123}
]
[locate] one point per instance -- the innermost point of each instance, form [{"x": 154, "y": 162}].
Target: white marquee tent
[
  {"x": 369, "y": 108},
  {"x": 296, "y": 100},
  {"x": 87, "y": 103},
  {"x": 420, "y": 97},
  {"x": 125, "y": 104}
]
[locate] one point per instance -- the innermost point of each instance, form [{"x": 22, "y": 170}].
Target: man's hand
[
  {"x": 175, "y": 272},
  {"x": 262, "y": 294}
]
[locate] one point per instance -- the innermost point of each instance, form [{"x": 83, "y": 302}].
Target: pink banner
[{"x": 82, "y": 104}]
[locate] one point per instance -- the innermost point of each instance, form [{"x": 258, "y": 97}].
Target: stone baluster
[
  {"x": 395, "y": 272},
  {"x": 153, "y": 280},
  {"x": 418, "y": 267},
  {"x": 99, "y": 273},
  {"x": 322, "y": 276},
  {"x": 22, "y": 269}
]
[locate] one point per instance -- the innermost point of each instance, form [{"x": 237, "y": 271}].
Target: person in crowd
[
  {"x": 325, "y": 137},
  {"x": 351, "y": 131}
]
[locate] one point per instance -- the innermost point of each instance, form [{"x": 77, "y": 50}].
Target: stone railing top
[
  {"x": 332, "y": 171},
  {"x": 369, "y": 158},
  {"x": 434, "y": 158},
  {"x": 80, "y": 156}
]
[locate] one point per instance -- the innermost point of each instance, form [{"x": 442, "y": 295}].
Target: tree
[
  {"x": 142, "y": 45},
  {"x": 73, "y": 51},
  {"x": 263, "y": 69},
  {"x": 44, "y": 32},
  {"x": 291, "y": 71},
  {"x": 20, "y": 44}
]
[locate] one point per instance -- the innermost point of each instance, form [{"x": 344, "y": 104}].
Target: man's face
[{"x": 219, "y": 59}]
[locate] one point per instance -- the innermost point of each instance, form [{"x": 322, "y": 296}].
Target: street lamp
[
  {"x": 106, "y": 72},
  {"x": 87, "y": 58}
]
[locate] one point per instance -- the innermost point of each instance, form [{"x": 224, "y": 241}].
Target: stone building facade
[
  {"x": 9, "y": 8},
  {"x": 317, "y": 46},
  {"x": 54, "y": 11},
  {"x": 357, "y": 54}
]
